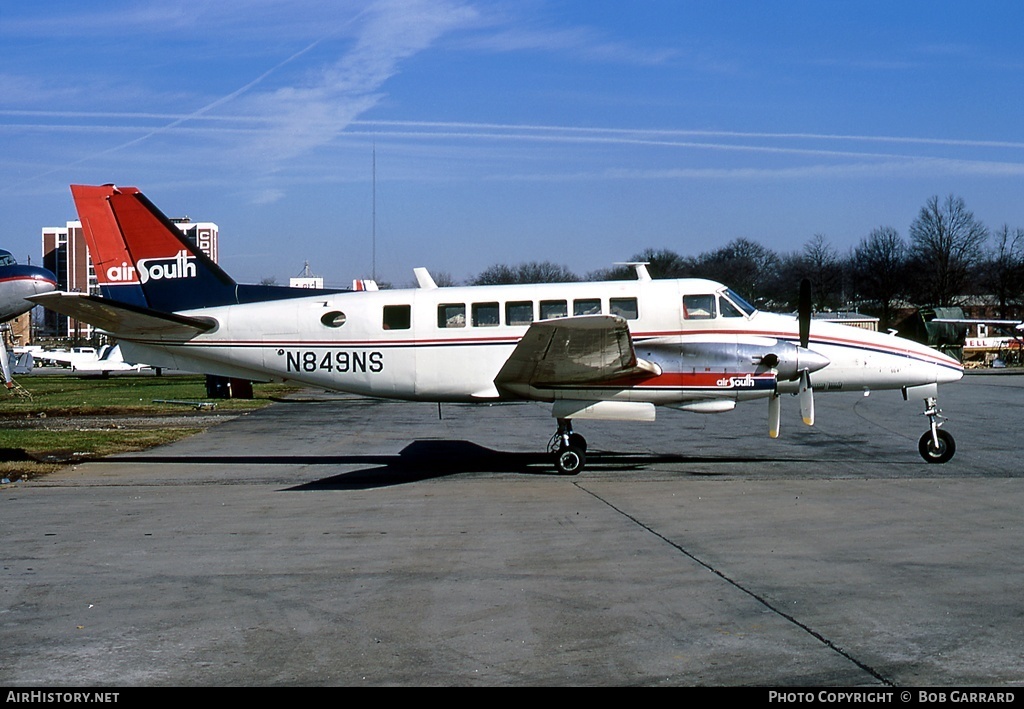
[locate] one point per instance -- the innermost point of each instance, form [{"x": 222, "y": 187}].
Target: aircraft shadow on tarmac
[{"x": 431, "y": 459}]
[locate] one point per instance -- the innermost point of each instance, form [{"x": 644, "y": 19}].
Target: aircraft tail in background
[{"x": 141, "y": 258}]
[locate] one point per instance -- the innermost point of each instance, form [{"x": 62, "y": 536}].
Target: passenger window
[
  {"x": 397, "y": 317},
  {"x": 589, "y": 306},
  {"x": 553, "y": 309},
  {"x": 624, "y": 308},
  {"x": 335, "y": 318},
  {"x": 451, "y": 315},
  {"x": 698, "y": 307},
  {"x": 519, "y": 312},
  {"x": 485, "y": 314}
]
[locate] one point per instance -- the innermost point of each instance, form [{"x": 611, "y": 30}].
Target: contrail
[
  {"x": 178, "y": 121},
  {"x": 428, "y": 126}
]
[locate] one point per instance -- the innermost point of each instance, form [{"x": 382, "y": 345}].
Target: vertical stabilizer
[{"x": 142, "y": 258}]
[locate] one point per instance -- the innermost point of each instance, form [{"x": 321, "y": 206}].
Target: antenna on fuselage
[
  {"x": 423, "y": 278},
  {"x": 642, "y": 274}
]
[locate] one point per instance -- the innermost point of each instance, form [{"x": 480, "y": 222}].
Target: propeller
[
  {"x": 771, "y": 360},
  {"x": 774, "y": 414},
  {"x": 804, "y": 312},
  {"x": 806, "y": 398},
  {"x": 806, "y": 391},
  {"x": 810, "y": 361}
]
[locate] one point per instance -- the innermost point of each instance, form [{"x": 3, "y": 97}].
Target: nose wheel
[
  {"x": 936, "y": 445},
  {"x": 569, "y": 449}
]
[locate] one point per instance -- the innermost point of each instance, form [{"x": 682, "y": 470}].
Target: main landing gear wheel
[
  {"x": 569, "y": 449},
  {"x": 945, "y": 450},
  {"x": 570, "y": 460},
  {"x": 578, "y": 441}
]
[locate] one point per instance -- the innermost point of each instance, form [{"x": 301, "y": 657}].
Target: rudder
[{"x": 140, "y": 257}]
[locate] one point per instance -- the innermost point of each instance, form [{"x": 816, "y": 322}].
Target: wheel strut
[
  {"x": 569, "y": 448},
  {"x": 936, "y": 445}
]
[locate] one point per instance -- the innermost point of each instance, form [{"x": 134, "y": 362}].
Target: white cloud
[{"x": 306, "y": 116}]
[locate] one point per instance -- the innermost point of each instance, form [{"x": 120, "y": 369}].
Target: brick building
[{"x": 66, "y": 254}]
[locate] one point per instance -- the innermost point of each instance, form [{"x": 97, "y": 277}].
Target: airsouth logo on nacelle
[{"x": 154, "y": 269}]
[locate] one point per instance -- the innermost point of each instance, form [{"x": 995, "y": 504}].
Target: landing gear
[
  {"x": 569, "y": 449},
  {"x": 936, "y": 445},
  {"x": 937, "y": 453}
]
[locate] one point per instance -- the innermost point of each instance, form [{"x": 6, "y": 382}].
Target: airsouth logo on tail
[{"x": 155, "y": 269}]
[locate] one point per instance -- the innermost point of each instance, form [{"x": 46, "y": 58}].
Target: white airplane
[
  {"x": 17, "y": 283},
  {"x": 71, "y": 357},
  {"x": 610, "y": 350},
  {"x": 89, "y": 360}
]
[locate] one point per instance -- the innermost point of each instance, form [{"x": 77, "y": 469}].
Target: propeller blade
[
  {"x": 806, "y": 398},
  {"x": 804, "y": 312},
  {"x": 774, "y": 414}
]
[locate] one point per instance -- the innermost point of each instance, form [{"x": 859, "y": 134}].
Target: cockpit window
[
  {"x": 699, "y": 307},
  {"x": 739, "y": 302},
  {"x": 6, "y": 259}
]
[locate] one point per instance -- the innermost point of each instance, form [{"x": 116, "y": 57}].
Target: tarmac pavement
[{"x": 345, "y": 541}]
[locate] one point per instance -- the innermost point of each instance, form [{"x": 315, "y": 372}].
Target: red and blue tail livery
[{"x": 143, "y": 259}]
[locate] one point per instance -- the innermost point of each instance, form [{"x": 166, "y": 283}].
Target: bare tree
[
  {"x": 1003, "y": 270},
  {"x": 879, "y": 269},
  {"x": 947, "y": 244},
  {"x": 529, "y": 272},
  {"x": 444, "y": 279},
  {"x": 744, "y": 265},
  {"x": 661, "y": 263},
  {"x": 825, "y": 271}
]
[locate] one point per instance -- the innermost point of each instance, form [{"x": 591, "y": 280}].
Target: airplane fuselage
[
  {"x": 611, "y": 350},
  {"x": 19, "y": 282},
  {"x": 449, "y": 344}
]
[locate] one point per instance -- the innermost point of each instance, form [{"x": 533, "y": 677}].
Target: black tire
[
  {"x": 945, "y": 451},
  {"x": 578, "y": 441},
  {"x": 570, "y": 460}
]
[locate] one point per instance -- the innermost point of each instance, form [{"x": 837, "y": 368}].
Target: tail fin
[{"x": 141, "y": 258}]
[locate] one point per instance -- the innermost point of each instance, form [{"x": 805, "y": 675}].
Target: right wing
[{"x": 582, "y": 350}]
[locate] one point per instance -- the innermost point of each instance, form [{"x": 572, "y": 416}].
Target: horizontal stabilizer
[{"x": 122, "y": 319}]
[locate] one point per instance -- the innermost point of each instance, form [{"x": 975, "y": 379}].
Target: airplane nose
[
  {"x": 810, "y": 360},
  {"x": 950, "y": 372},
  {"x": 41, "y": 286}
]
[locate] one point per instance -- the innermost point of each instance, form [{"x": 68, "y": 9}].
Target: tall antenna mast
[{"x": 374, "y": 234}]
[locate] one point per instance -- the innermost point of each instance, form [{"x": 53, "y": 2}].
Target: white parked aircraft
[
  {"x": 89, "y": 360},
  {"x": 69, "y": 358},
  {"x": 610, "y": 350}
]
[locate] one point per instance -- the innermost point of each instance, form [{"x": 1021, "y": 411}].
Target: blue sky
[{"x": 576, "y": 132}]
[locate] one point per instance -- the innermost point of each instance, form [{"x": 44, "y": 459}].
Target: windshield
[{"x": 739, "y": 302}]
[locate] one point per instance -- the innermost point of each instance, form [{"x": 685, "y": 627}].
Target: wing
[
  {"x": 1017, "y": 324},
  {"x": 122, "y": 319},
  {"x": 573, "y": 351},
  {"x": 64, "y": 358}
]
